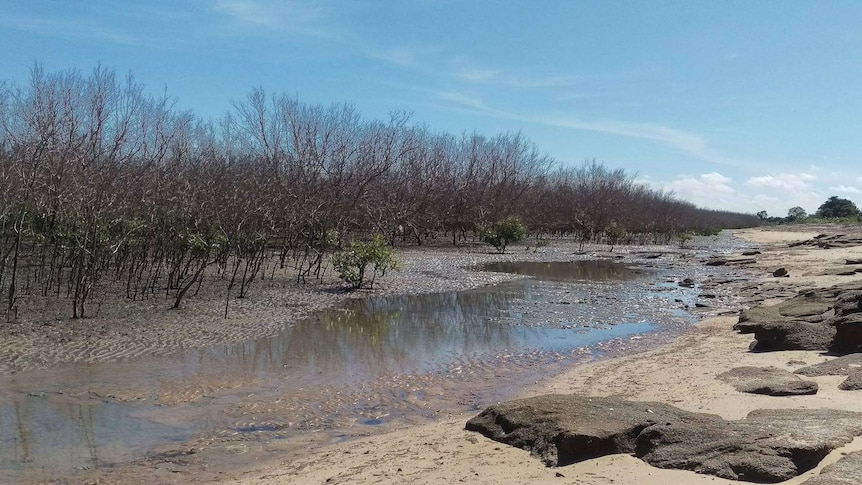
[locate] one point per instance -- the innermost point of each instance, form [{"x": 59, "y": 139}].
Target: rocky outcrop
[
  {"x": 846, "y": 471},
  {"x": 841, "y": 366},
  {"x": 853, "y": 382},
  {"x": 826, "y": 241},
  {"x": 828, "y": 319},
  {"x": 768, "y": 446},
  {"x": 796, "y": 324},
  {"x": 770, "y": 381}
]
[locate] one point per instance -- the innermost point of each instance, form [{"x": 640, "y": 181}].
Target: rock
[
  {"x": 780, "y": 273},
  {"x": 768, "y": 446},
  {"x": 565, "y": 429},
  {"x": 716, "y": 262},
  {"x": 770, "y": 381},
  {"x": 775, "y": 331},
  {"x": 800, "y": 323},
  {"x": 848, "y": 302},
  {"x": 853, "y": 261},
  {"x": 751, "y": 253},
  {"x": 687, "y": 283},
  {"x": 853, "y": 381},
  {"x": 846, "y": 471},
  {"x": 848, "y": 333},
  {"x": 841, "y": 366}
]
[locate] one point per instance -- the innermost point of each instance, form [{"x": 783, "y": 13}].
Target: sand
[{"x": 681, "y": 373}]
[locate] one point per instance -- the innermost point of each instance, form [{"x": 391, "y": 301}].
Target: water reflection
[{"x": 85, "y": 415}]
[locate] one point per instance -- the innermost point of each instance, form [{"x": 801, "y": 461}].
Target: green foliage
[
  {"x": 501, "y": 234},
  {"x": 796, "y": 214},
  {"x": 838, "y": 207},
  {"x": 353, "y": 262},
  {"x": 615, "y": 233},
  {"x": 684, "y": 237}
]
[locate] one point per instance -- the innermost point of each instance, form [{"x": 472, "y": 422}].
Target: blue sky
[{"x": 733, "y": 105}]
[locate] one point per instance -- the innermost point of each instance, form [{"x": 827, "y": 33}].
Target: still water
[{"x": 368, "y": 362}]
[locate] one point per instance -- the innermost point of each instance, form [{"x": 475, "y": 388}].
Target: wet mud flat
[{"x": 369, "y": 365}]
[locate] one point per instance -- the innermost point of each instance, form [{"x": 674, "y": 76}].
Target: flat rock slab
[
  {"x": 853, "y": 382},
  {"x": 822, "y": 319},
  {"x": 768, "y": 446},
  {"x": 841, "y": 366},
  {"x": 846, "y": 471},
  {"x": 770, "y": 381}
]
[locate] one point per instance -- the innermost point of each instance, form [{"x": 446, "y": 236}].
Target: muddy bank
[
  {"x": 254, "y": 415},
  {"x": 124, "y": 329}
]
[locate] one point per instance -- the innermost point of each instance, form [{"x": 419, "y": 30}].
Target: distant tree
[
  {"x": 762, "y": 215},
  {"x": 796, "y": 214},
  {"x": 837, "y": 207}
]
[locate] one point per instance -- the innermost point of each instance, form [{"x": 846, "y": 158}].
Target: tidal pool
[{"x": 367, "y": 363}]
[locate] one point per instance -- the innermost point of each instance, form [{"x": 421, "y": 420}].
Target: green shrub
[
  {"x": 501, "y": 234},
  {"x": 352, "y": 263},
  {"x": 614, "y": 233},
  {"x": 684, "y": 237}
]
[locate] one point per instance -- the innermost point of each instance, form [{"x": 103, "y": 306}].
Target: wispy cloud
[
  {"x": 478, "y": 75},
  {"x": 74, "y": 28},
  {"x": 679, "y": 139},
  {"x": 283, "y": 16}
]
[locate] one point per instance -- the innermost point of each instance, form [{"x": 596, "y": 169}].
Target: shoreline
[{"x": 681, "y": 373}]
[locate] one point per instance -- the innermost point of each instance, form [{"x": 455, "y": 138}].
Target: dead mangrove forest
[{"x": 103, "y": 185}]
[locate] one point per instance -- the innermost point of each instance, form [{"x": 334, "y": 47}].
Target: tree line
[{"x": 102, "y": 184}]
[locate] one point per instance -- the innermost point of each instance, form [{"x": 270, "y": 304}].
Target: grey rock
[
  {"x": 751, "y": 253},
  {"x": 780, "y": 272},
  {"x": 853, "y": 261},
  {"x": 789, "y": 334},
  {"x": 841, "y": 366},
  {"x": 768, "y": 446},
  {"x": 829, "y": 319},
  {"x": 848, "y": 333},
  {"x": 848, "y": 303},
  {"x": 770, "y": 381},
  {"x": 687, "y": 283},
  {"x": 846, "y": 471},
  {"x": 853, "y": 381}
]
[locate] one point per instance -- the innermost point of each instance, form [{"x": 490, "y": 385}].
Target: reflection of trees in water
[
  {"x": 40, "y": 426},
  {"x": 375, "y": 335}
]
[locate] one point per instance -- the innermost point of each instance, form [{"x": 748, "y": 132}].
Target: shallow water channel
[{"x": 368, "y": 363}]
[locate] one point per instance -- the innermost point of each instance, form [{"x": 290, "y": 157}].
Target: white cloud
[
  {"x": 783, "y": 181},
  {"x": 716, "y": 191},
  {"x": 846, "y": 189}
]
